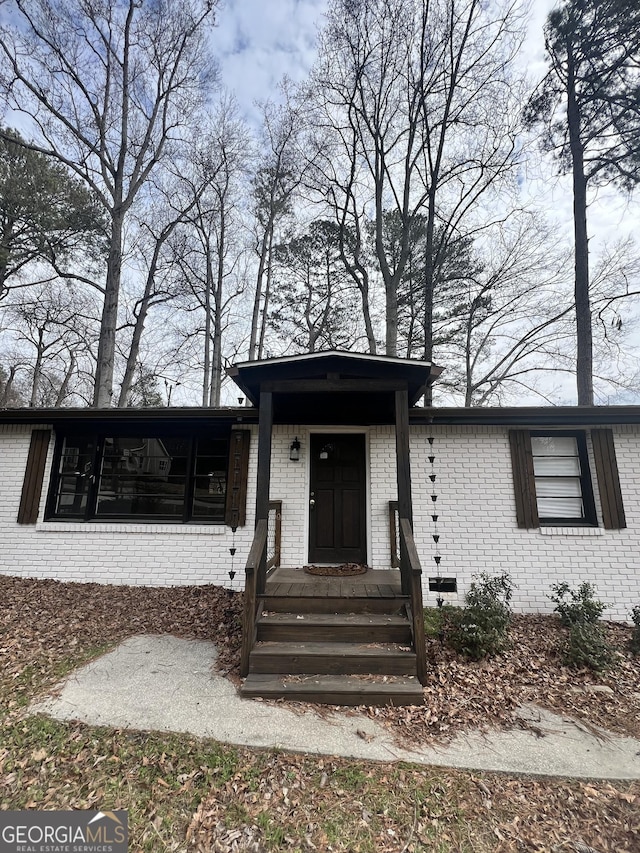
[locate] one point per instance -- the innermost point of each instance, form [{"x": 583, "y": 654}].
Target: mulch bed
[{"x": 44, "y": 623}]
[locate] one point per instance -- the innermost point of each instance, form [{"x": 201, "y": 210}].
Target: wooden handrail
[
  {"x": 252, "y": 567},
  {"x": 413, "y": 570},
  {"x": 275, "y": 506},
  {"x": 393, "y": 535}
]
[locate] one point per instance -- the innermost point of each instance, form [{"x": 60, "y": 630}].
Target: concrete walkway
[{"x": 168, "y": 684}]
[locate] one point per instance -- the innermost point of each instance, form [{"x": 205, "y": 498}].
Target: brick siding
[{"x": 477, "y": 523}]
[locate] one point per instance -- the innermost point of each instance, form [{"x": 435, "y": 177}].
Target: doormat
[{"x": 345, "y": 570}]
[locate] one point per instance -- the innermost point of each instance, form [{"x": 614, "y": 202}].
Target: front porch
[
  {"x": 296, "y": 583},
  {"x": 340, "y": 640}
]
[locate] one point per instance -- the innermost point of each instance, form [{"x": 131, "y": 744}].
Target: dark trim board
[{"x": 525, "y": 416}]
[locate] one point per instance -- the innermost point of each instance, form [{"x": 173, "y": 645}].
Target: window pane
[
  {"x": 554, "y": 445},
  {"x": 143, "y": 477},
  {"x": 74, "y": 478},
  {"x": 557, "y": 469},
  {"x": 560, "y": 508},
  {"x": 558, "y": 487},
  {"x": 210, "y": 488},
  {"x": 556, "y": 466}
]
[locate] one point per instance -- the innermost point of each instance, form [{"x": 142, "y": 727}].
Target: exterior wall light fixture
[{"x": 294, "y": 450}]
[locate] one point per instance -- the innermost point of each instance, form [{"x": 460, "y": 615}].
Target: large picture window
[{"x": 148, "y": 477}]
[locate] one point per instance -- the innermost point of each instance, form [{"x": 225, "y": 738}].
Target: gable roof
[{"x": 333, "y": 365}]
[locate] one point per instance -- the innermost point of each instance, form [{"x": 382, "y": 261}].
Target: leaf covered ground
[{"x": 184, "y": 793}]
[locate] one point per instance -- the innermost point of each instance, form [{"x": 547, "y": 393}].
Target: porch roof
[{"x": 323, "y": 384}]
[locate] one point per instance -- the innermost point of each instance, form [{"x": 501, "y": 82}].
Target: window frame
[
  {"x": 590, "y": 518},
  {"x": 98, "y": 436}
]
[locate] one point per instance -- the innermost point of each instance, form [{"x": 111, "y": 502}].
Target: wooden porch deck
[{"x": 296, "y": 583}]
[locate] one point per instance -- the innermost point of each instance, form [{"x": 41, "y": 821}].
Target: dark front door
[{"x": 337, "y": 500}]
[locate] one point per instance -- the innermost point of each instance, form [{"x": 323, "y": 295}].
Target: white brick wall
[
  {"x": 477, "y": 523},
  {"x": 479, "y": 532}
]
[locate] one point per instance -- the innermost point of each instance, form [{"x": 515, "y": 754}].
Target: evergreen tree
[
  {"x": 46, "y": 215},
  {"x": 589, "y": 105}
]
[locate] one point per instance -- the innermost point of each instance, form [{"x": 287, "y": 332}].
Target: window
[
  {"x": 149, "y": 477},
  {"x": 562, "y": 480},
  {"x": 552, "y": 479}
]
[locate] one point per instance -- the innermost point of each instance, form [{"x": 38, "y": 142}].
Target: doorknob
[{"x": 312, "y": 503}]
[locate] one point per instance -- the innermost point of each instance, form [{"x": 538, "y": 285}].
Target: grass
[{"x": 176, "y": 787}]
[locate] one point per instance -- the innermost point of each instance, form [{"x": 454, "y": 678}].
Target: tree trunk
[
  {"x": 265, "y": 250},
  {"x": 5, "y": 248},
  {"x": 206, "y": 376},
  {"x": 584, "y": 342},
  {"x": 134, "y": 350},
  {"x": 37, "y": 370},
  {"x": 216, "y": 363},
  {"x": 267, "y": 297},
  {"x": 62, "y": 393},
  {"x": 103, "y": 389},
  {"x": 8, "y": 385},
  {"x": 429, "y": 290}
]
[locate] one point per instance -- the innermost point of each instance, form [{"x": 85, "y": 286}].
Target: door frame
[{"x": 339, "y": 430}]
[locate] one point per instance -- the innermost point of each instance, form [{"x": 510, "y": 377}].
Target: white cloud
[{"x": 259, "y": 41}]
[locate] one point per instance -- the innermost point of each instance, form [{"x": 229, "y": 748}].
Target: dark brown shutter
[
  {"x": 524, "y": 485},
  {"x": 604, "y": 454},
  {"x": 33, "y": 477},
  {"x": 236, "y": 507}
]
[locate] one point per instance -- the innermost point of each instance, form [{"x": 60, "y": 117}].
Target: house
[{"x": 332, "y": 463}]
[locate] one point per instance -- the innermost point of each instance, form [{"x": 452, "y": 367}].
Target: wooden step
[
  {"x": 336, "y": 689},
  {"x": 332, "y": 658},
  {"x": 328, "y": 627},
  {"x": 332, "y": 604}
]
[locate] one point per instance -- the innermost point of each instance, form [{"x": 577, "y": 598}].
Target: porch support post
[
  {"x": 405, "y": 508},
  {"x": 265, "y": 426}
]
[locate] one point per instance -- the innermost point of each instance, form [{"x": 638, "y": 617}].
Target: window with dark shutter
[
  {"x": 552, "y": 480},
  {"x": 33, "y": 477}
]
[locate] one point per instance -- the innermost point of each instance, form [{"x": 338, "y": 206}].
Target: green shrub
[
  {"x": 634, "y": 645},
  {"x": 433, "y": 622},
  {"x": 580, "y": 611},
  {"x": 576, "y": 607},
  {"x": 480, "y": 628},
  {"x": 587, "y": 646}
]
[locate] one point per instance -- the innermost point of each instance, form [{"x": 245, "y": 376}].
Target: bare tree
[
  {"x": 54, "y": 329},
  {"x": 161, "y": 248},
  {"x": 108, "y": 89},
  {"x": 209, "y": 267},
  {"x": 278, "y": 174},
  {"x": 415, "y": 114}
]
